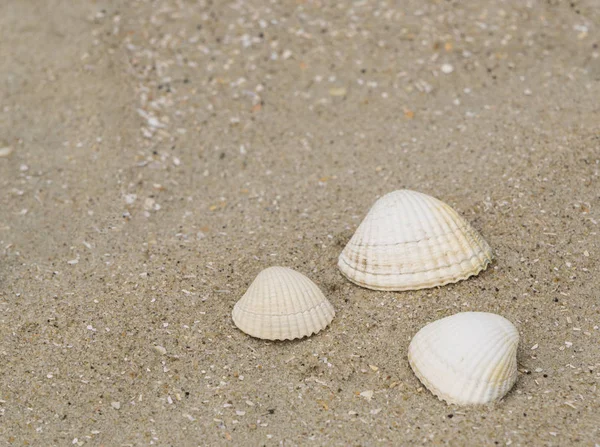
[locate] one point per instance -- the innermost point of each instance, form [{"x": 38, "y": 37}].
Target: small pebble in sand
[
  {"x": 337, "y": 91},
  {"x": 115, "y": 405},
  {"x": 5, "y": 151},
  {"x": 161, "y": 350},
  {"x": 447, "y": 68},
  {"x": 130, "y": 198},
  {"x": 151, "y": 205},
  {"x": 368, "y": 395}
]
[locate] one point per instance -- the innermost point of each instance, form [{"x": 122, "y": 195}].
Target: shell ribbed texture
[
  {"x": 282, "y": 304},
  {"x": 467, "y": 358},
  {"x": 411, "y": 241}
]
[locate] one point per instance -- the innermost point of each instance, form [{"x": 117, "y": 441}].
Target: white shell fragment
[
  {"x": 282, "y": 304},
  {"x": 467, "y": 358},
  {"x": 411, "y": 241},
  {"x": 5, "y": 151}
]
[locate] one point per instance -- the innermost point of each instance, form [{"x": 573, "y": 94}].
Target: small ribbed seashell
[
  {"x": 411, "y": 241},
  {"x": 467, "y": 358},
  {"x": 282, "y": 304}
]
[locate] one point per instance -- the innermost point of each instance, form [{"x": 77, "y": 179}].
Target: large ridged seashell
[
  {"x": 282, "y": 304},
  {"x": 411, "y": 241},
  {"x": 467, "y": 358}
]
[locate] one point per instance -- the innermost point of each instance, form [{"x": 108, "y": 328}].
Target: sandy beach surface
[{"x": 155, "y": 156}]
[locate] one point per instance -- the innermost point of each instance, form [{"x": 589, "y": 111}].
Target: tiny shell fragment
[
  {"x": 337, "y": 91},
  {"x": 160, "y": 349},
  {"x": 5, "y": 151}
]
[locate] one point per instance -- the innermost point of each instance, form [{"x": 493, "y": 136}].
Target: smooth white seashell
[
  {"x": 467, "y": 358},
  {"x": 411, "y": 241},
  {"x": 282, "y": 304}
]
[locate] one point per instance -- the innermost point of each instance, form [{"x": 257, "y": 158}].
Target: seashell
[
  {"x": 411, "y": 241},
  {"x": 282, "y": 304},
  {"x": 467, "y": 358}
]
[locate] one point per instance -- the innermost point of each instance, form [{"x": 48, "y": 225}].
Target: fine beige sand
[{"x": 156, "y": 155}]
